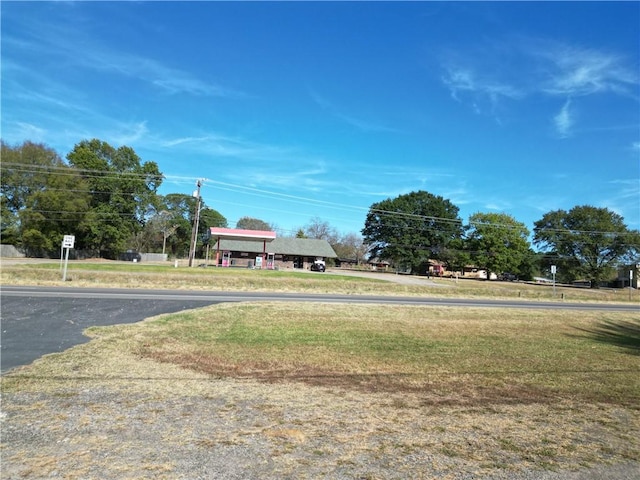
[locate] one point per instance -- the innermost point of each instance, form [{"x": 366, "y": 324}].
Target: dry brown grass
[
  {"x": 379, "y": 391},
  {"x": 127, "y": 275},
  {"x": 446, "y": 355},
  {"x": 494, "y": 389}
]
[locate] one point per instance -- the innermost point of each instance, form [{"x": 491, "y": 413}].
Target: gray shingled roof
[{"x": 303, "y": 247}]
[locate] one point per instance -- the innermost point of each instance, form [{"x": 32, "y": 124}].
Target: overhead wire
[{"x": 93, "y": 173}]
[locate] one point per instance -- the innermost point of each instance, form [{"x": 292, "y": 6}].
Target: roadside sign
[
  {"x": 68, "y": 241},
  {"x": 553, "y": 269}
]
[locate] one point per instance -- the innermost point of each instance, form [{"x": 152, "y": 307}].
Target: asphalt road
[
  {"x": 34, "y": 325},
  {"x": 41, "y": 320}
]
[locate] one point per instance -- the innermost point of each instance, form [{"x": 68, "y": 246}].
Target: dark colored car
[
  {"x": 131, "y": 256},
  {"x": 508, "y": 277}
]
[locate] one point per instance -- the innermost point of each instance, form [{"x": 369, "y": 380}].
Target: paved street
[{"x": 34, "y": 326}]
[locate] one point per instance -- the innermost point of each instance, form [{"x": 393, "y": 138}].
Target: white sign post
[
  {"x": 67, "y": 244},
  {"x": 553, "y": 272}
]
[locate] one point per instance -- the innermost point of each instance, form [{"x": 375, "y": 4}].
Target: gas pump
[{"x": 271, "y": 261}]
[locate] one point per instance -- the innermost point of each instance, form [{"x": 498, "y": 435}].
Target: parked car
[
  {"x": 318, "y": 266},
  {"x": 131, "y": 256},
  {"x": 508, "y": 277}
]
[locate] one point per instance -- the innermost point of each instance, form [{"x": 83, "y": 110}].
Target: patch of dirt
[{"x": 122, "y": 416}]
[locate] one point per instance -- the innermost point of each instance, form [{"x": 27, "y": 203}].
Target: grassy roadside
[
  {"x": 465, "y": 356},
  {"x": 128, "y": 275},
  {"x": 324, "y": 386},
  {"x": 489, "y": 390}
]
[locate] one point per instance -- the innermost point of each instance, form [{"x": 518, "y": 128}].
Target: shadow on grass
[{"x": 624, "y": 334}]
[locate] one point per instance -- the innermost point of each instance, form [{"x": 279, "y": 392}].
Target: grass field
[
  {"x": 461, "y": 356},
  {"x": 493, "y": 388},
  {"x": 128, "y": 275}
]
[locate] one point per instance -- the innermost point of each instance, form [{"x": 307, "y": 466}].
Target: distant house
[
  {"x": 437, "y": 269},
  {"x": 377, "y": 264},
  {"x": 346, "y": 262},
  {"x": 278, "y": 253},
  {"x": 627, "y": 276}
]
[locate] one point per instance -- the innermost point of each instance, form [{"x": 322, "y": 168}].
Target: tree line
[
  {"x": 108, "y": 198},
  {"x": 583, "y": 243}
]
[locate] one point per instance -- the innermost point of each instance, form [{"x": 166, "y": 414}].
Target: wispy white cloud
[
  {"x": 76, "y": 48},
  {"x": 465, "y": 80},
  {"x": 498, "y": 206},
  {"x": 359, "y": 123},
  {"x": 622, "y": 198},
  {"x": 522, "y": 68},
  {"x": 458, "y": 194},
  {"x": 170, "y": 80},
  {"x": 30, "y": 131},
  {"x": 627, "y": 189},
  {"x": 564, "y": 120},
  {"x": 575, "y": 71},
  {"x": 184, "y": 140},
  {"x": 219, "y": 145},
  {"x": 129, "y": 134}
]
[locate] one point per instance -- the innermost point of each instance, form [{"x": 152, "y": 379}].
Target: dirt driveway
[{"x": 388, "y": 277}]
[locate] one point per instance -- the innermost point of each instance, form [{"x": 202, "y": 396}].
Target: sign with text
[{"x": 68, "y": 241}]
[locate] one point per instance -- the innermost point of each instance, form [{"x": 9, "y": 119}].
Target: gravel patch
[{"x": 192, "y": 427}]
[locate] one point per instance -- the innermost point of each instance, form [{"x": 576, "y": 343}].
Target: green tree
[
  {"x": 411, "y": 229},
  {"x": 43, "y": 199},
  {"x": 123, "y": 192},
  {"x": 25, "y": 169},
  {"x": 177, "y": 215},
  {"x": 455, "y": 255},
  {"x": 9, "y": 223},
  {"x": 209, "y": 218},
  {"x": 35, "y": 243},
  {"x": 58, "y": 209},
  {"x": 498, "y": 243},
  {"x": 172, "y": 224},
  {"x": 586, "y": 242},
  {"x": 162, "y": 226},
  {"x": 250, "y": 223}
]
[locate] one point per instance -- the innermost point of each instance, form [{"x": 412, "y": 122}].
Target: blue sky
[{"x": 296, "y": 110}]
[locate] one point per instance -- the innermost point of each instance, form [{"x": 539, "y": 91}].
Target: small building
[
  {"x": 437, "y": 269},
  {"x": 627, "y": 276},
  {"x": 346, "y": 262},
  {"x": 377, "y": 264},
  {"x": 239, "y": 250}
]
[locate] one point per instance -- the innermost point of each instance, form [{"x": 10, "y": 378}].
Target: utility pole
[{"x": 194, "y": 232}]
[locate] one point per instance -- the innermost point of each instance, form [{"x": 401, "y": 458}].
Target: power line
[
  {"x": 92, "y": 173},
  {"x": 72, "y": 171}
]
